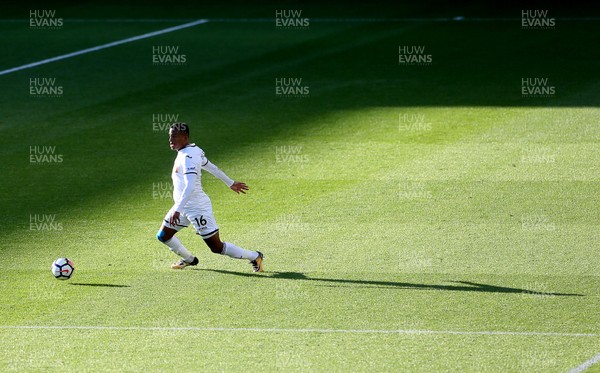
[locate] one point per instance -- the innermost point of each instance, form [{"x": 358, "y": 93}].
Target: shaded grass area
[{"x": 204, "y": 93}]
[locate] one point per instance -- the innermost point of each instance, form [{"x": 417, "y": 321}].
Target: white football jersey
[{"x": 190, "y": 159}]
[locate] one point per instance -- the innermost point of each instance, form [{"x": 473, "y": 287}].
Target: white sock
[
  {"x": 237, "y": 252},
  {"x": 177, "y": 247}
]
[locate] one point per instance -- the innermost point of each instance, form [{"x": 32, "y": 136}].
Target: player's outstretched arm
[{"x": 236, "y": 186}]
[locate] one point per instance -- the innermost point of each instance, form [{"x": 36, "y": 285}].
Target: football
[{"x": 62, "y": 268}]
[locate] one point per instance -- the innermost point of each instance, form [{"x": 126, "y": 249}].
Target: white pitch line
[
  {"x": 283, "y": 330},
  {"x": 103, "y": 46},
  {"x": 586, "y": 365}
]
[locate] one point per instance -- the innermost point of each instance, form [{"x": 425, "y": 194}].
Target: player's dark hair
[{"x": 181, "y": 127}]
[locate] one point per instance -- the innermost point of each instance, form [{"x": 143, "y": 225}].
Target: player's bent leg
[
  {"x": 166, "y": 235},
  {"x": 227, "y": 248},
  {"x": 214, "y": 243},
  {"x": 206, "y": 226}
]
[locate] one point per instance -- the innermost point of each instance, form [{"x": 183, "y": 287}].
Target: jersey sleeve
[
  {"x": 189, "y": 169},
  {"x": 216, "y": 171},
  {"x": 189, "y": 180},
  {"x": 203, "y": 160}
]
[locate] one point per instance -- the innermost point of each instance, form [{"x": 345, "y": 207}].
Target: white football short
[{"x": 202, "y": 219}]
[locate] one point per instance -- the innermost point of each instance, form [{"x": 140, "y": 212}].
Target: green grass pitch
[{"x": 425, "y": 217}]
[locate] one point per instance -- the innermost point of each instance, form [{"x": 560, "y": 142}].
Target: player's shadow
[
  {"x": 461, "y": 285},
  {"x": 100, "y": 285}
]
